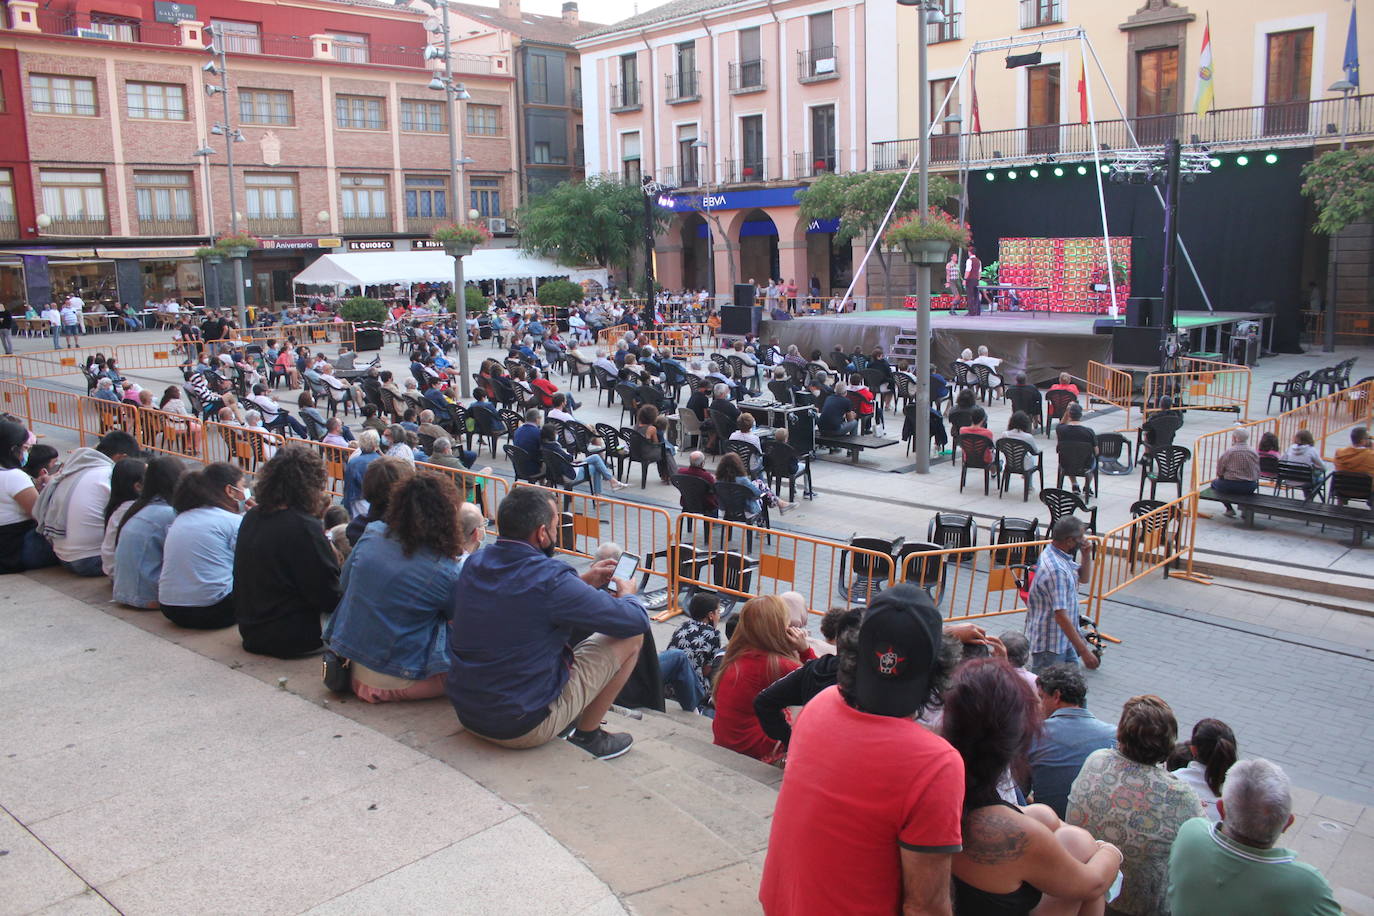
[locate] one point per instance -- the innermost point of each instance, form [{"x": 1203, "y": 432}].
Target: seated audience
[
  {"x": 1123, "y": 796},
  {"x": 71, "y": 509},
  {"x": 1013, "y": 858},
  {"x": 368, "y": 444},
  {"x": 1304, "y": 451},
  {"x": 686, "y": 664},
  {"x": 591, "y": 468},
  {"x": 1268, "y": 446},
  {"x": 1017, "y": 647},
  {"x": 196, "y": 586},
  {"x": 398, "y": 588},
  {"x": 1234, "y": 868},
  {"x": 1019, "y": 428},
  {"x": 744, "y": 432},
  {"x": 126, "y": 481},
  {"x": 21, "y": 546},
  {"x": 286, "y": 573},
  {"x": 696, "y": 467},
  {"x": 1071, "y": 429},
  {"x": 1069, "y": 734},
  {"x": 1237, "y": 469},
  {"x": 731, "y": 468},
  {"x": 978, "y": 426},
  {"x": 1065, "y": 383},
  {"x": 762, "y": 649},
  {"x": 380, "y": 479},
  {"x": 1212, "y": 749},
  {"x": 799, "y": 687},
  {"x": 837, "y": 417},
  {"x": 513, "y": 678},
  {"x": 1358, "y": 456}
]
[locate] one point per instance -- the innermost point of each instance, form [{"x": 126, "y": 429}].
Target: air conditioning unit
[
  {"x": 825, "y": 65},
  {"x": 89, "y": 33},
  {"x": 496, "y": 224}
]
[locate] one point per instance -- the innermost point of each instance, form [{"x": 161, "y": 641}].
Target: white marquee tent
[{"x": 378, "y": 268}]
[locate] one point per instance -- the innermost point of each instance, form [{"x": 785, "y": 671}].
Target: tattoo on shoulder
[{"x": 994, "y": 836}]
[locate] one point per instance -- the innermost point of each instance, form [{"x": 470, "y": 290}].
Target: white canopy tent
[{"x": 379, "y": 268}]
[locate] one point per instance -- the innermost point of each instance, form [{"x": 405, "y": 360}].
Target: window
[
  {"x": 7, "y": 212},
  {"x": 117, "y": 27},
  {"x": 537, "y": 78},
  {"x": 239, "y": 37},
  {"x": 359, "y": 112},
  {"x": 164, "y": 197},
  {"x": 949, "y": 30},
  {"x": 751, "y": 142},
  {"x": 73, "y": 196},
  {"x": 271, "y": 195},
  {"x": 484, "y": 196},
  {"x": 938, "y": 90},
  {"x": 823, "y": 138},
  {"x": 579, "y": 150},
  {"x": 1042, "y": 108},
  {"x": 686, "y": 71},
  {"x": 363, "y": 196},
  {"x": 543, "y": 152},
  {"x": 351, "y": 48},
  {"x": 484, "y": 120},
  {"x": 1287, "y": 82},
  {"x": 577, "y": 87},
  {"x": 423, "y": 116},
  {"x": 265, "y": 106},
  {"x": 750, "y": 58},
  {"x": 426, "y": 197},
  {"x": 156, "y": 101},
  {"x": 629, "y": 158},
  {"x": 1156, "y": 82},
  {"x": 1035, "y": 13},
  {"x": 819, "y": 61},
  {"x": 687, "y": 154},
  {"x": 62, "y": 95},
  {"x": 821, "y": 27}
]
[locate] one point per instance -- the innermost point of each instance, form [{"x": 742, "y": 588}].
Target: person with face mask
[
  {"x": 21, "y": 546},
  {"x": 514, "y": 680},
  {"x": 196, "y": 587}
]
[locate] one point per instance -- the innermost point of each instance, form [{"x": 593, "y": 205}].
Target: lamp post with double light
[
  {"x": 1346, "y": 88},
  {"x": 218, "y": 65}
]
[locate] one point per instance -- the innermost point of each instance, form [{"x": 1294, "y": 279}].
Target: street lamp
[
  {"x": 700, "y": 145},
  {"x": 1346, "y": 88},
  {"x": 218, "y": 65},
  {"x": 930, "y": 14}
]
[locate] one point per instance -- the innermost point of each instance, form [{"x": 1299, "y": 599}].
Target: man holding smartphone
[
  {"x": 1052, "y": 604},
  {"x": 514, "y": 680}
]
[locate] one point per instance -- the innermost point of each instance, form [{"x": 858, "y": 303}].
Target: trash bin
[{"x": 367, "y": 338}]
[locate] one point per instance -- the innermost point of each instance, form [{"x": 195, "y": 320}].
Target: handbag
[{"x": 337, "y": 674}]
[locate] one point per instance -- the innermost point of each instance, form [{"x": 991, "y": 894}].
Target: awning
[
  {"x": 147, "y": 254},
  {"x": 51, "y": 252},
  {"x": 374, "y": 268}
]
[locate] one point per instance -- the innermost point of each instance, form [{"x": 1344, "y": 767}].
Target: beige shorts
[{"x": 594, "y": 666}]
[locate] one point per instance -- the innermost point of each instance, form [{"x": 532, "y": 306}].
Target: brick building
[{"x": 102, "y": 115}]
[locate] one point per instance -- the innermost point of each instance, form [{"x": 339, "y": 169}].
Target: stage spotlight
[
  {"x": 1242, "y": 160},
  {"x": 990, "y": 176},
  {"x": 1012, "y": 174},
  {"x": 1034, "y": 173},
  {"x": 1058, "y": 172},
  {"x": 1271, "y": 158},
  {"x": 1214, "y": 162},
  {"x": 1082, "y": 170}
]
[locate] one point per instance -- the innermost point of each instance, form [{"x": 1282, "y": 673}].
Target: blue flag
[{"x": 1352, "y": 52}]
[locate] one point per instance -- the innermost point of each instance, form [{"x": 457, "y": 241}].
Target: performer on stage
[{"x": 973, "y": 273}]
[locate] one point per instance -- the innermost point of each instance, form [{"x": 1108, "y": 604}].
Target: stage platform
[{"x": 1042, "y": 344}]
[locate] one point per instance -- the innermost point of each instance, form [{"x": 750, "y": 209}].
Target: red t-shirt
[
  {"x": 857, "y": 789},
  {"x": 547, "y": 390},
  {"x": 736, "y": 725}
]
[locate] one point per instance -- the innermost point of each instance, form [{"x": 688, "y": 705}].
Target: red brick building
[{"x": 103, "y": 109}]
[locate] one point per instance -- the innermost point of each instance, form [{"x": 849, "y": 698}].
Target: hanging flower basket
[
  {"x": 929, "y": 242},
  {"x": 748, "y": 172},
  {"x": 237, "y": 245},
  {"x": 460, "y": 238}
]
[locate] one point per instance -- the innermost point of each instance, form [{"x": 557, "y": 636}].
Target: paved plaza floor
[{"x": 146, "y": 769}]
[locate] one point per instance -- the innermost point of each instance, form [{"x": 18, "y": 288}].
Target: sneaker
[
  {"x": 603, "y": 745},
  {"x": 618, "y": 485},
  {"x": 783, "y": 510}
]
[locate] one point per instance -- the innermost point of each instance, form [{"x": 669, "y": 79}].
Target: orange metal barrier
[
  {"x": 305, "y": 333},
  {"x": 171, "y": 434},
  {"x": 606, "y": 337},
  {"x": 1200, "y": 384},
  {"x": 718, "y": 556},
  {"x": 973, "y": 583},
  {"x": 1158, "y": 539},
  {"x": 1111, "y": 386},
  {"x": 485, "y": 490},
  {"x": 1348, "y": 323},
  {"x": 14, "y": 400}
]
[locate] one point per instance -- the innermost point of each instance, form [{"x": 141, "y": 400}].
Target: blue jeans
[
  {"x": 680, "y": 674},
  {"x": 56, "y": 337},
  {"x": 595, "y": 470},
  {"x": 1042, "y": 660},
  {"x": 296, "y": 426},
  {"x": 86, "y": 567},
  {"x": 36, "y": 552}
]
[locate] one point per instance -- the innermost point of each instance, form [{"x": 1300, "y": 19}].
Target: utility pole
[
  {"x": 922, "y": 271},
  {"x": 1172, "y": 166}
]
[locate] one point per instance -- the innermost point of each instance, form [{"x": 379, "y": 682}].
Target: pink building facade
[{"x": 734, "y": 108}]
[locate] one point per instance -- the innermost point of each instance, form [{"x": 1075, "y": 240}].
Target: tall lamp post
[
  {"x": 699, "y": 147},
  {"x": 219, "y": 66},
  {"x": 929, "y": 14},
  {"x": 1346, "y": 88},
  {"x": 204, "y": 152}
]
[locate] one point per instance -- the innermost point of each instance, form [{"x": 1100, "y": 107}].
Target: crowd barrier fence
[
  {"x": 1111, "y": 386},
  {"x": 1200, "y": 384},
  {"x": 1349, "y": 323}
]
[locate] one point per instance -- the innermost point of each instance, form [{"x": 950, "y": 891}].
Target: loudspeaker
[
  {"x": 1105, "y": 325},
  {"x": 1135, "y": 346},
  {"x": 744, "y": 295},
  {"x": 1144, "y": 312},
  {"x": 741, "y": 321}
]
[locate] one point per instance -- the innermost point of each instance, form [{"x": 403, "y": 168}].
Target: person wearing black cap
[{"x": 868, "y": 794}]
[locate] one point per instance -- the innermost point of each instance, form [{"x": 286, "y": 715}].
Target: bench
[
  {"x": 853, "y": 444},
  {"x": 1358, "y": 520}
]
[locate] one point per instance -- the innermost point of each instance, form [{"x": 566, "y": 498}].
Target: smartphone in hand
[{"x": 625, "y": 567}]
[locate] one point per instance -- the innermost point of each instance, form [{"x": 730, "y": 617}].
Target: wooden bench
[
  {"x": 1358, "y": 520},
  {"x": 853, "y": 444}
]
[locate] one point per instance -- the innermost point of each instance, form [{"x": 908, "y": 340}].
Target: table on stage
[{"x": 1002, "y": 297}]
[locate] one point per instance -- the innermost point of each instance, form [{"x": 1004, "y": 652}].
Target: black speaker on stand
[
  {"x": 742, "y": 317},
  {"x": 1144, "y": 312}
]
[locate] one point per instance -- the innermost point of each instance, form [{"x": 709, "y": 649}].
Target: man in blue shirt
[
  {"x": 514, "y": 680},
  {"x": 837, "y": 414},
  {"x": 1052, "y": 603},
  {"x": 1070, "y": 734}
]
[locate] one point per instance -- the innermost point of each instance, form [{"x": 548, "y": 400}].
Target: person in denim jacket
[
  {"x": 398, "y": 591},
  {"x": 143, "y": 532}
]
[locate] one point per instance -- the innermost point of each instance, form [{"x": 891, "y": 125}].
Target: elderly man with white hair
[
  {"x": 1238, "y": 469},
  {"x": 1234, "y": 867}
]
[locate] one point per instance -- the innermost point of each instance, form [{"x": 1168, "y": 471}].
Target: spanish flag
[{"x": 1205, "y": 96}]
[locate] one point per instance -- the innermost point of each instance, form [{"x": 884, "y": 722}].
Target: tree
[
  {"x": 860, "y": 200},
  {"x": 363, "y": 309},
  {"x": 598, "y": 221},
  {"x": 559, "y": 293},
  {"x": 1341, "y": 184}
]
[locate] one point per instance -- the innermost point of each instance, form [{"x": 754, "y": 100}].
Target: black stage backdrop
[{"x": 1244, "y": 227}]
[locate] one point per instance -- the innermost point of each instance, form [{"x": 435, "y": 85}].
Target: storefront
[
  {"x": 110, "y": 275},
  {"x": 13, "y": 293}
]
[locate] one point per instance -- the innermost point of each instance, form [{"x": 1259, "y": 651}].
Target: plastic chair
[
  {"x": 869, "y": 573},
  {"x": 952, "y": 530},
  {"x": 1028, "y": 401},
  {"x": 1013, "y": 453},
  {"x": 1059, "y": 402},
  {"x": 752, "y": 457},
  {"x": 1111, "y": 447},
  {"x": 1351, "y": 486},
  {"x": 1076, "y": 460},
  {"x": 1299, "y": 475},
  {"x": 782, "y": 462},
  {"x": 1288, "y": 391},
  {"x": 734, "y": 499},
  {"x": 693, "y": 496},
  {"x": 980, "y": 454},
  {"x": 642, "y": 452},
  {"x": 1012, "y": 532},
  {"x": 1062, "y": 503},
  {"x": 688, "y": 425},
  {"x": 1166, "y": 466},
  {"x": 616, "y": 449},
  {"x": 527, "y": 467},
  {"x": 605, "y": 384},
  {"x": 928, "y": 571}
]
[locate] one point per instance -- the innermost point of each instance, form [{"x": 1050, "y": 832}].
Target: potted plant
[
  {"x": 460, "y": 238},
  {"x": 367, "y": 315},
  {"x": 928, "y": 242},
  {"x": 748, "y": 171},
  {"x": 210, "y": 253},
  {"x": 237, "y": 244}
]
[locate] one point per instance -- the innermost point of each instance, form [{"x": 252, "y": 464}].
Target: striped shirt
[{"x": 1055, "y": 588}]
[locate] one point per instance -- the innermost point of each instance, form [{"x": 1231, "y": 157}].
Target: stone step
[{"x": 1354, "y": 591}]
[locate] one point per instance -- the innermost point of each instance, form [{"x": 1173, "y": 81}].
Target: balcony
[
  {"x": 682, "y": 87},
  {"x": 365, "y": 225},
  {"x": 818, "y": 64},
  {"x": 750, "y": 171},
  {"x": 952, "y": 29},
  {"x": 9, "y": 228},
  {"x": 577, "y": 96},
  {"x": 1291, "y": 124},
  {"x": 424, "y": 225},
  {"x": 625, "y": 97},
  {"x": 1036, "y": 14},
  {"x": 678, "y": 177},
  {"x": 275, "y": 226},
  {"x": 814, "y": 165},
  {"x": 747, "y": 76},
  {"x": 158, "y": 227},
  {"x": 62, "y": 225}
]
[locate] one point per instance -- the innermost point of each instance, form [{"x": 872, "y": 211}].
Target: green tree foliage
[
  {"x": 598, "y": 221},
  {"x": 362, "y": 308},
  {"x": 860, "y": 200},
  {"x": 559, "y": 293},
  {"x": 1341, "y": 184},
  {"x": 476, "y": 302}
]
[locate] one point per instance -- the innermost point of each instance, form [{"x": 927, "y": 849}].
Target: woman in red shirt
[{"x": 763, "y": 649}]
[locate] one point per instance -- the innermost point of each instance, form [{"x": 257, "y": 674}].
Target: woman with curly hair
[
  {"x": 285, "y": 573},
  {"x": 398, "y": 589},
  {"x": 763, "y": 648}
]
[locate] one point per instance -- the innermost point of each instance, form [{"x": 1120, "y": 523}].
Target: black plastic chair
[
  {"x": 1013, "y": 454},
  {"x": 1011, "y": 532},
  {"x": 527, "y": 467},
  {"x": 926, "y": 571},
  {"x": 979, "y": 453},
  {"x": 734, "y": 499},
  {"x": 616, "y": 449},
  {"x": 1351, "y": 486},
  {"x": 642, "y": 452},
  {"x": 1028, "y": 401},
  {"x": 1114, "y": 455},
  {"x": 1062, "y": 503},
  {"x": 1299, "y": 475},
  {"x": 629, "y": 400},
  {"x": 560, "y": 473},
  {"x": 781, "y": 462},
  {"x": 869, "y": 573},
  {"x": 952, "y": 530},
  {"x": 1076, "y": 460},
  {"x": 752, "y": 457},
  {"x": 487, "y": 427},
  {"x": 693, "y": 496},
  {"x": 725, "y": 426},
  {"x": 982, "y": 382},
  {"x": 743, "y": 373},
  {"x": 781, "y": 390},
  {"x": 960, "y": 377},
  {"x": 1161, "y": 528},
  {"x": 1166, "y": 466},
  {"x": 1288, "y": 391},
  {"x": 605, "y": 384},
  {"x": 1059, "y": 402}
]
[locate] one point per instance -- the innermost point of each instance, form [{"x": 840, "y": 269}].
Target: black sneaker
[{"x": 602, "y": 744}]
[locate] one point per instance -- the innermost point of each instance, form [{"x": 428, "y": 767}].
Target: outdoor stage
[{"x": 1042, "y": 344}]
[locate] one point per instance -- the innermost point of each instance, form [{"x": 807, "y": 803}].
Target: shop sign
[
  {"x": 372, "y": 245},
  {"x": 303, "y": 243},
  {"x": 731, "y": 200},
  {"x": 426, "y": 245},
  {"x": 174, "y": 12}
]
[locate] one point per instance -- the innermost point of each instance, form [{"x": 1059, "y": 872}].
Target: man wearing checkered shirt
[{"x": 1052, "y": 604}]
